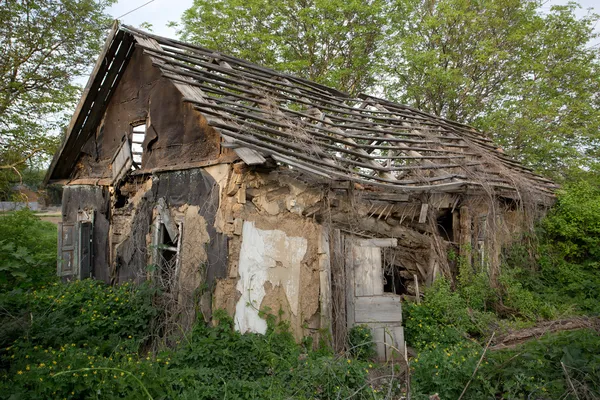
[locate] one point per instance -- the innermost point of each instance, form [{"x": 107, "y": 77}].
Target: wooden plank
[
  {"x": 394, "y": 343},
  {"x": 423, "y": 214},
  {"x": 455, "y": 226},
  {"x": 350, "y": 299},
  {"x": 249, "y": 156},
  {"x": 378, "y": 309},
  {"x": 381, "y": 242},
  {"x": 325, "y": 283},
  {"x": 399, "y": 197},
  {"x": 167, "y": 220},
  {"x": 122, "y": 162},
  {"x": 368, "y": 271},
  {"x": 338, "y": 289},
  {"x": 379, "y": 340},
  {"x": 465, "y": 243},
  {"x": 300, "y": 166}
]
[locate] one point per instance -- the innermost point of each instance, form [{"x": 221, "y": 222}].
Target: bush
[
  {"x": 85, "y": 340},
  {"x": 27, "y": 251},
  {"x": 534, "y": 369},
  {"x": 83, "y": 312},
  {"x": 360, "y": 342}
]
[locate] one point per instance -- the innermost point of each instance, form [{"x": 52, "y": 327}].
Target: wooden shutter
[
  {"x": 121, "y": 162},
  {"x": 66, "y": 249}
]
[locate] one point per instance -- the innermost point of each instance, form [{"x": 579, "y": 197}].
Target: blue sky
[{"x": 160, "y": 12}]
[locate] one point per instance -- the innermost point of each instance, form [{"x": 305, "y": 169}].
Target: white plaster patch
[
  {"x": 219, "y": 173},
  {"x": 266, "y": 255}
]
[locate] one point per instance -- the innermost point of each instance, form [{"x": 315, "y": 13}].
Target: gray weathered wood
[
  {"x": 377, "y": 242},
  {"x": 379, "y": 339},
  {"x": 394, "y": 343},
  {"x": 167, "y": 220},
  {"x": 249, "y": 156},
  {"x": 466, "y": 245},
  {"x": 378, "y": 309},
  {"x": 325, "y": 299},
  {"x": 122, "y": 162},
  {"x": 350, "y": 287},
  {"x": 368, "y": 271},
  {"x": 423, "y": 214}
]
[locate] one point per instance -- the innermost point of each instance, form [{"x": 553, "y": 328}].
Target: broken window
[
  {"x": 393, "y": 280},
  {"x": 138, "y": 135},
  {"x": 167, "y": 248}
]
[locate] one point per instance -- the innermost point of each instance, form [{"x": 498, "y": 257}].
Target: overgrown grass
[{"x": 87, "y": 340}]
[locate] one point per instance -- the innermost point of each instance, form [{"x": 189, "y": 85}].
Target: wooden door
[
  {"x": 85, "y": 250},
  {"x": 366, "y": 301}
]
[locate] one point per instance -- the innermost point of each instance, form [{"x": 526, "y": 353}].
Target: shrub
[
  {"x": 83, "y": 340},
  {"x": 534, "y": 369},
  {"x": 82, "y": 312},
  {"x": 27, "y": 251},
  {"x": 360, "y": 342}
]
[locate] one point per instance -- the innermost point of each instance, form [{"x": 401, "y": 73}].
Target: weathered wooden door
[
  {"x": 366, "y": 301},
  {"x": 85, "y": 250}
]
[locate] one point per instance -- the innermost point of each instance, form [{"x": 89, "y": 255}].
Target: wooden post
[
  {"x": 417, "y": 294},
  {"x": 465, "y": 235}
]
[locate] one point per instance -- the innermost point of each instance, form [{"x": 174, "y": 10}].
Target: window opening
[
  {"x": 444, "y": 224},
  {"x": 393, "y": 282},
  {"x": 167, "y": 249},
  {"x": 167, "y": 261},
  {"x": 138, "y": 134}
]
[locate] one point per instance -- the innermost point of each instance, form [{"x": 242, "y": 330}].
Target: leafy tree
[
  {"x": 44, "y": 46},
  {"x": 503, "y": 66},
  {"x": 333, "y": 42}
]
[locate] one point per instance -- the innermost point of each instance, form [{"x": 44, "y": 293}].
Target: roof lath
[{"x": 263, "y": 113}]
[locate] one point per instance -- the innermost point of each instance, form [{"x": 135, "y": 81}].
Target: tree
[
  {"x": 333, "y": 42},
  {"x": 504, "y": 67},
  {"x": 44, "y": 46}
]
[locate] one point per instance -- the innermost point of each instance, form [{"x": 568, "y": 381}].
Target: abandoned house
[{"x": 237, "y": 187}]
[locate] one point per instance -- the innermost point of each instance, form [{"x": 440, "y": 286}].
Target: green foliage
[
  {"x": 446, "y": 370},
  {"x": 86, "y": 340},
  {"x": 360, "y": 342},
  {"x": 565, "y": 276},
  {"x": 336, "y": 43},
  {"x": 45, "y": 45},
  {"x": 508, "y": 67},
  {"x": 534, "y": 369},
  {"x": 27, "y": 250},
  {"x": 83, "y": 312},
  {"x": 505, "y": 67}
]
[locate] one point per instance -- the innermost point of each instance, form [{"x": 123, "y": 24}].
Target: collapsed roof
[{"x": 262, "y": 114}]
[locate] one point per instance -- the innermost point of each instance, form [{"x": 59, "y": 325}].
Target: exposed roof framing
[{"x": 263, "y": 113}]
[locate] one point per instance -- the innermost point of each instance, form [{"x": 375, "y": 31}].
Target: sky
[{"x": 160, "y": 12}]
